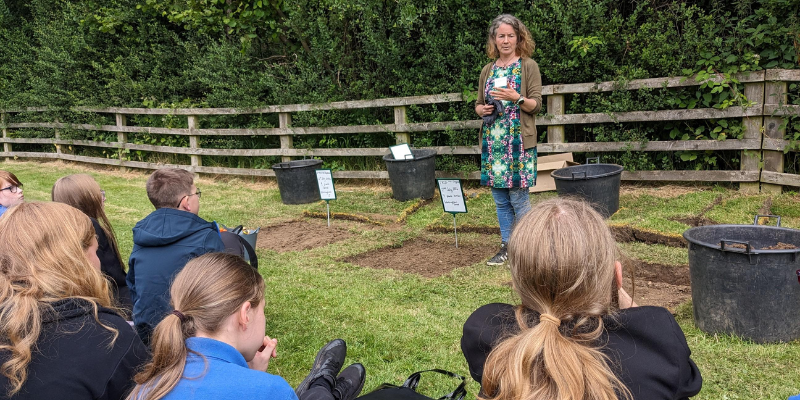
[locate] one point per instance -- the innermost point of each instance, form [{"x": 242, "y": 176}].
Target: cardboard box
[{"x": 547, "y": 164}]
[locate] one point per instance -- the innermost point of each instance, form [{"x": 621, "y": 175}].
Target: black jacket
[
  {"x": 111, "y": 265},
  {"x": 73, "y": 359},
  {"x": 647, "y": 349}
]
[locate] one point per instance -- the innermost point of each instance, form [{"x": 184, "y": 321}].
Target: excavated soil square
[
  {"x": 299, "y": 236},
  {"x": 429, "y": 258},
  {"x": 660, "y": 285}
]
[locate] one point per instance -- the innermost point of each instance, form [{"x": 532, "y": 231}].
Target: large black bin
[
  {"x": 297, "y": 181},
  {"x": 412, "y": 178},
  {"x": 740, "y": 288},
  {"x": 596, "y": 183}
]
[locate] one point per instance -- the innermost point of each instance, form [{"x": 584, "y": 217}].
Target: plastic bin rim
[
  {"x": 390, "y": 158},
  {"x": 554, "y": 174},
  {"x": 297, "y": 164},
  {"x": 715, "y": 246}
]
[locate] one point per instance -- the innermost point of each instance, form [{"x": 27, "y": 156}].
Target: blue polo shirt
[
  {"x": 2, "y": 210},
  {"x": 227, "y": 376}
]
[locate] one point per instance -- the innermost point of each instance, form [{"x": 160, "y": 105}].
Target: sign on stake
[
  {"x": 327, "y": 190},
  {"x": 453, "y": 200}
]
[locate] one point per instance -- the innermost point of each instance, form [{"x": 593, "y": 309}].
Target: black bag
[
  {"x": 235, "y": 244},
  {"x": 408, "y": 391}
]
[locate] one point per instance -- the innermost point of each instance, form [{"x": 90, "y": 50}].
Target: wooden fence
[{"x": 763, "y": 138}]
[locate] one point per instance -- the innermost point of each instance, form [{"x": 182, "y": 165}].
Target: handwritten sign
[
  {"x": 325, "y": 182},
  {"x": 402, "y": 152},
  {"x": 452, "y": 195}
]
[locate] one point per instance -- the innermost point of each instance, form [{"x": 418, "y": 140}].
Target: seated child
[
  {"x": 82, "y": 192},
  {"x": 577, "y": 333},
  {"x": 213, "y": 344},
  {"x": 163, "y": 242},
  {"x": 10, "y": 191},
  {"x": 59, "y": 334}
]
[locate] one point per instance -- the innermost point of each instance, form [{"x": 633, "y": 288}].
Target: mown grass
[{"x": 397, "y": 323}]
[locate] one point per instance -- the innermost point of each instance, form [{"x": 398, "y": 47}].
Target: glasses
[
  {"x": 13, "y": 188},
  {"x": 103, "y": 193},
  {"x": 198, "y": 192}
]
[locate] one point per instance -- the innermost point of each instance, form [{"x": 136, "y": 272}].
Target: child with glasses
[
  {"x": 10, "y": 191},
  {"x": 163, "y": 242},
  {"x": 82, "y": 192}
]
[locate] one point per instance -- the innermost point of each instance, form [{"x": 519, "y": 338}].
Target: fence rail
[{"x": 762, "y": 145}]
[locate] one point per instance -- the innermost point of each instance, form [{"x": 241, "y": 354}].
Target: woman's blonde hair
[
  {"x": 525, "y": 42},
  {"x": 42, "y": 261},
  {"x": 562, "y": 257},
  {"x": 82, "y": 192},
  {"x": 209, "y": 289}
]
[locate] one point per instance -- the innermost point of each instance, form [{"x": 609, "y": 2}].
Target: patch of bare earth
[
  {"x": 665, "y": 191},
  {"x": 299, "y": 236},
  {"x": 659, "y": 285},
  {"x": 425, "y": 256},
  {"x": 629, "y": 234}
]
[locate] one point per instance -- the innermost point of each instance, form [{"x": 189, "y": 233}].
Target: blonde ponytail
[
  {"x": 208, "y": 289},
  {"x": 562, "y": 259}
]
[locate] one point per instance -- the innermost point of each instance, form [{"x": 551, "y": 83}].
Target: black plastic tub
[
  {"x": 297, "y": 181},
  {"x": 739, "y": 287},
  {"x": 413, "y": 178},
  {"x": 595, "y": 183}
]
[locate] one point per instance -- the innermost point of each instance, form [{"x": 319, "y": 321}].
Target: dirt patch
[
  {"x": 299, "y": 236},
  {"x": 427, "y": 257},
  {"x": 660, "y": 285},
  {"x": 695, "y": 221},
  {"x": 665, "y": 191},
  {"x": 624, "y": 233}
]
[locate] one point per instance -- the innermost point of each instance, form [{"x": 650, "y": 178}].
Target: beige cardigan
[{"x": 531, "y": 88}]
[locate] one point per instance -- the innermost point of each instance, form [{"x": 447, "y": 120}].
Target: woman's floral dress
[{"x": 504, "y": 161}]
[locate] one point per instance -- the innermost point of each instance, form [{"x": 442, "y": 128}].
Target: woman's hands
[
  {"x": 268, "y": 350},
  {"x": 483, "y": 110},
  {"x": 504, "y": 94}
]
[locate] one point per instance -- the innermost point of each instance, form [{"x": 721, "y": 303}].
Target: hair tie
[
  {"x": 179, "y": 315},
  {"x": 549, "y": 318}
]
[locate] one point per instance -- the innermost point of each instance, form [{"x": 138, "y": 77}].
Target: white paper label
[
  {"x": 501, "y": 82},
  {"x": 402, "y": 152},
  {"x": 452, "y": 195},
  {"x": 325, "y": 183}
]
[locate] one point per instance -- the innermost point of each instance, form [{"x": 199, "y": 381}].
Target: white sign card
[
  {"x": 402, "y": 152},
  {"x": 452, "y": 195},
  {"x": 325, "y": 182}
]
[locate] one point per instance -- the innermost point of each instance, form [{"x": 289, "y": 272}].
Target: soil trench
[
  {"x": 299, "y": 236},
  {"x": 423, "y": 256}
]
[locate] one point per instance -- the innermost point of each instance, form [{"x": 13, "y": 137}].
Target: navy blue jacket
[{"x": 163, "y": 243}]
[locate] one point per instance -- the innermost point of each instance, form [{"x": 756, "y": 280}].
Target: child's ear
[{"x": 244, "y": 313}]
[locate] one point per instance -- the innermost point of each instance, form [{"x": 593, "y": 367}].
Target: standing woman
[
  {"x": 508, "y": 135},
  {"x": 60, "y": 337},
  {"x": 10, "y": 191},
  {"x": 82, "y": 192}
]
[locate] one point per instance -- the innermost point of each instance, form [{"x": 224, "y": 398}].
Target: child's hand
[{"x": 268, "y": 350}]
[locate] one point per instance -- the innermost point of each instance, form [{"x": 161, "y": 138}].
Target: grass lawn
[{"x": 397, "y": 323}]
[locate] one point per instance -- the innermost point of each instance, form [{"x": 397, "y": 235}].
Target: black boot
[
  {"x": 327, "y": 364},
  {"x": 350, "y": 382}
]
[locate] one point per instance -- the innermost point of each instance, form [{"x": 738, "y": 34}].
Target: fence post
[
  {"x": 194, "y": 141},
  {"x": 287, "y": 141},
  {"x": 58, "y": 136},
  {"x": 775, "y": 93},
  {"x": 555, "y": 106},
  {"x": 122, "y": 138},
  {"x": 400, "y": 118},
  {"x": 752, "y": 130},
  {"x": 6, "y": 146}
]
